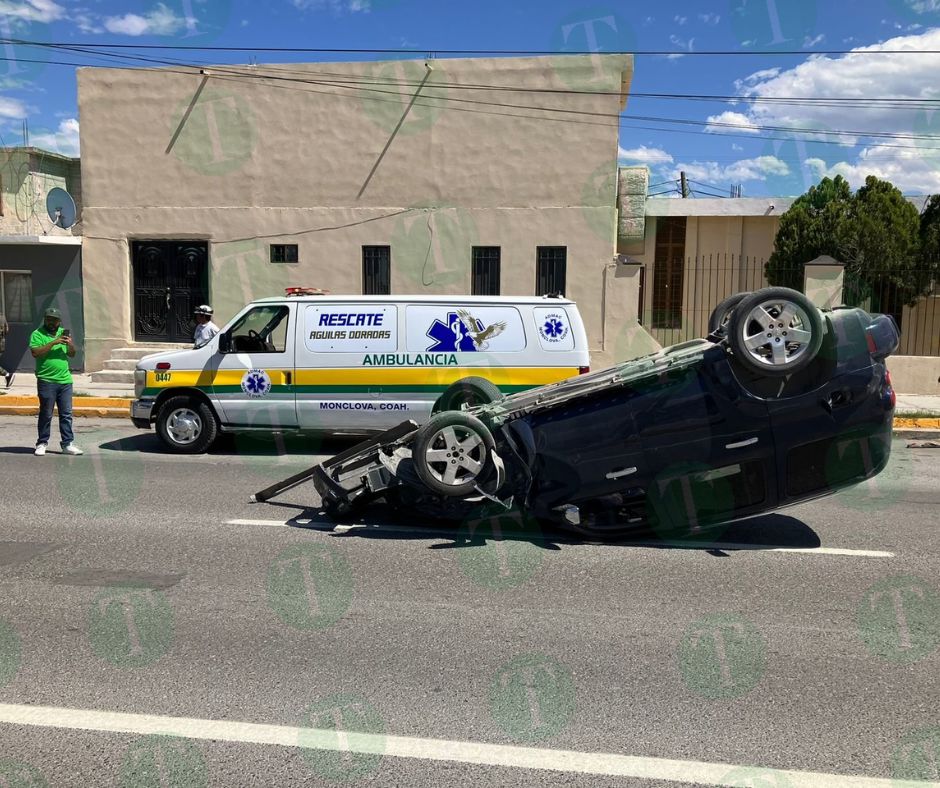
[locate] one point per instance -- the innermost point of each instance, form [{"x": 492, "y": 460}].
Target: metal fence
[
  {"x": 912, "y": 297},
  {"x": 676, "y": 298}
]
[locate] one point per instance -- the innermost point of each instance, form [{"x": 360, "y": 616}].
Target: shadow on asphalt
[
  {"x": 16, "y": 449},
  {"x": 763, "y": 532},
  {"x": 239, "y": 445}
]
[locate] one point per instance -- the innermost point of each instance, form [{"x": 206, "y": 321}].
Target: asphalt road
[{"x": 157, "y": 629}]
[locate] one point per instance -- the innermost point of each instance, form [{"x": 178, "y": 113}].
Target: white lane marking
[
  {"x": 271, "y": 523},
  {"x": 744, "y": 546},
  {"x": 759, "y": 548},
  {"x": 607, "y": 764}
]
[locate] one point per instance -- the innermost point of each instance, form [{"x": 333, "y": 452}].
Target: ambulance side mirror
[{"x": 225, "y": 342}]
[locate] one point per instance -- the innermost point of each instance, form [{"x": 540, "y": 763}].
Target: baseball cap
[{"x": 53, "y": 312}]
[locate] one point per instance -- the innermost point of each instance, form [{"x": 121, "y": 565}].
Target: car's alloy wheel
[
  {"x": 776, "y": 331},
  {"x": 471, "y": 391},
  {"x": 720, "y": 317},
  {"x": 452, "y": 453}
]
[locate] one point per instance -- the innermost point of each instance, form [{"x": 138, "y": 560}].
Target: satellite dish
[{"x": 61, "y": 208}]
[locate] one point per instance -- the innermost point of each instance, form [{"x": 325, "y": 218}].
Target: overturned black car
[{"x": 781, "y": 403}]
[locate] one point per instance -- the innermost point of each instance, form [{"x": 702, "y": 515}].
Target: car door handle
[
  {"x": 287, "y": 378},
  {"x": 741, "y": 444},
  {"x": 837, "y": 399},
  {"x": 620, "y": 473}
]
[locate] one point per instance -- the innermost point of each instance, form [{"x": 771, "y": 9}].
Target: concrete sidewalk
[{"x": 106, "y": 400}]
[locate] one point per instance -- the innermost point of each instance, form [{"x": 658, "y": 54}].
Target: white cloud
[
  {"x": 682, "y": 44},
  {"x": 923, "y": 6},
  {"x": 86, "y": 22},
  {"x": 32, "y": 11},
  {"x": 63, "y": 141},
  {"x": 645, "y": 155},
  {"x": 735, "y": 119},
  {"x": 809, "y": 43},
  {"x": 680, "y": 20},
  {"x": 912, "y": 170},
  {"x": 710, "y": 19},
  {"x": 11, "y": 108},
  {"x": 161, "y": 21},
  {"x": 852, "y": 76},
  {"x": 711, "y": 172},
  {"x": 337, "y": 6}
]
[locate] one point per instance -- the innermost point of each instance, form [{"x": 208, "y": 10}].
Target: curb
[
  {"x": 97, "y": 407},
  {"x": 119, "y": 408}
]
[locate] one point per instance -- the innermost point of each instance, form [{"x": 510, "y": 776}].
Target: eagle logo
[{"x": 478, "y": 335}]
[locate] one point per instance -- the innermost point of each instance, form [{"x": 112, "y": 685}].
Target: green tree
[
  {"x": 881, "y": 248},
  {"x": 889, "y": 251},
  {"x": 814, "y": 225},
  {"x": 930, "y": 232}
]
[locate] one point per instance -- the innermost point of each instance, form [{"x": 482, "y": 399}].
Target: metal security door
[{"x": 171, "y": 278}]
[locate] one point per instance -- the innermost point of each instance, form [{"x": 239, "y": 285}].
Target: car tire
[
  {"x": 775, "y": 331},
  {"x": 720, "y": 317},
  {"x": 452, "y": 452},
  {"x": 187, "y": 425},
  {"x": 470, "y": 391}
]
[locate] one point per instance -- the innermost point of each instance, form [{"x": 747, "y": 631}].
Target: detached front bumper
[{"x": 141, "y": 410}]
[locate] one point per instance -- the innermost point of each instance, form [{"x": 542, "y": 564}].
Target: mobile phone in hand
[{"x": 66, "y": 332}]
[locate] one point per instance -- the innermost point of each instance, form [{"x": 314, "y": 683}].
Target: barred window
[
  {"x": 284, "y": 253},
  {"x": 376, "y": 270},
  {"x": 16, "y": 296},
  {"x": 485, "y": 274},
  {"x": 551, "y": 263}
]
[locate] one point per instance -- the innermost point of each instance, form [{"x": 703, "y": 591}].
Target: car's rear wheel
[
  {"x": 187, "y": 425},
  {"x": 775, "y": 331},
  {"x": 721, "y": 314},
  {"x": 468, "y": 392},
  {"x": 452, "y": 453}
]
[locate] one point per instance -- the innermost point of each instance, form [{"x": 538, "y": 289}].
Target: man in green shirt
[{"x": 52, "y": 349}]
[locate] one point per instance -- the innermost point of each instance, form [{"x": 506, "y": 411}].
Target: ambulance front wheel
[{"x": 187, "y": 425}]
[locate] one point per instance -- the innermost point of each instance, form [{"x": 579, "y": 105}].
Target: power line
[
  {"x": 224, "y": 73},
  {"x": 496, "y": 52},
  {"x": 825, "y": 101}
]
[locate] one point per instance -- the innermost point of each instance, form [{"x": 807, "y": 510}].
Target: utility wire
[
  {"x": 223, "y": 73},
  {"x": 825, "y": 101},
  {"x": 518, "y": 52}
]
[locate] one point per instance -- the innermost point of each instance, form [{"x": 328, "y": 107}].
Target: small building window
[
  {"x": 16, "y": 296},
  {"x": 668, "y": 272},
  {"x": 551, "y": 263},
  {"x": 283, "y": 253},
  {"x": 485, "y": 274},
  {"x": 376, "y": 270}
]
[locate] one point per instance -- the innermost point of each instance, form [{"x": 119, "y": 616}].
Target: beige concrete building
[
  {"x": 695, "y": 253},
  {"x": 40, "y": 262},
  {"x": 452, "y": 176}
]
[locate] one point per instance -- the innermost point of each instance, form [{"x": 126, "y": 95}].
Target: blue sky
[{"x": 714, "y": 157}]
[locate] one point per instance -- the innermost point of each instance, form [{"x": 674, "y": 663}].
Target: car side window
[{"x": 261, "y": 330}]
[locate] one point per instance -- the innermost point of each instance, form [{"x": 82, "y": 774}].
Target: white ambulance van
[{"x": 352, "y": 364}]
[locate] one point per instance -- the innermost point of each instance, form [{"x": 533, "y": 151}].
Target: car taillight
[
  {"x": 890, "y": 389},
  {"x": 872, "y": 345},
  {"x": 163, "y": 365},
  {"x": 583, "y": 370}
]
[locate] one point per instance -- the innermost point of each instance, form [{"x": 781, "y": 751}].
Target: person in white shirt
[{"x": 205, "y": 328}]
